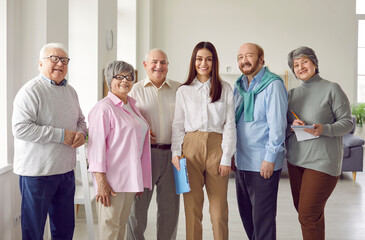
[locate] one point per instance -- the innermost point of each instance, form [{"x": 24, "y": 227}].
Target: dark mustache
[{"x": 246, "y": 64}]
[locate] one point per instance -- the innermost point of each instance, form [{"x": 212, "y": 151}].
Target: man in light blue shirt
[{"x": 260, "y": 107}]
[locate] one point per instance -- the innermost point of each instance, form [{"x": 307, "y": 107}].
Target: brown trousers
[
  {"x": 203, "y": 153},
  {"x": 310, "y": 190}
]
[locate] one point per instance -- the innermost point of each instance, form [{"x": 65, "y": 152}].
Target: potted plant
[{"x": 358, "y": 111}]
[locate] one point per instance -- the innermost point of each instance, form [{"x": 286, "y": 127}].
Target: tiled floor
[{"x": 345, "y": 214}]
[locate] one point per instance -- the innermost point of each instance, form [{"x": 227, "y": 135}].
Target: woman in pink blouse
[
  {"x": 204, "y": 130},
  {"x": 118, "y": 151}
]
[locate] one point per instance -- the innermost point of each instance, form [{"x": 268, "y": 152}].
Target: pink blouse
[{"x": 113, "y": 146}]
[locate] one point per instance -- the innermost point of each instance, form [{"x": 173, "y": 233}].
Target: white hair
[
  {"x": 152, "y": 50},
  {"x": 48, "y": 46}
]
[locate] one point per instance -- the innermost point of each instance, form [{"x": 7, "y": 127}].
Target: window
[
  {"x": 361, "y": 61},
  {"x": 3, "y": 89},
  {"x": 360, "y": 11}
]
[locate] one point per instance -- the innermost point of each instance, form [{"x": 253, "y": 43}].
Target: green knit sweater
[{"x": 319, "y": 101}]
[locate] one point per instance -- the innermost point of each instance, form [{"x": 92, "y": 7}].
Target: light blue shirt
[
  {"x": 62, "y": 83},
  {"x": 262, "y": 139}
]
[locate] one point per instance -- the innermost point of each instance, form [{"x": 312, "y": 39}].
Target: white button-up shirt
[
  {"x": 195, "y": 112},
  {"x": 157, "y": 106}
]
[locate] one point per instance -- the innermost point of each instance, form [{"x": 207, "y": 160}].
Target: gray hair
[
  {"x": 45, "y": 48},
  {"x": 302, "y": 52},
  {"x": 152, "y": 50},
  {"x": 115, "y": 68}
]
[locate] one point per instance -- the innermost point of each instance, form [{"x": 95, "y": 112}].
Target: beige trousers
[
  {"x": 203, "y": 153},
  {"x": 112, "y": 220}
]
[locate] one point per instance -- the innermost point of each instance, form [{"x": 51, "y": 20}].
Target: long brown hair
[{"x": 215, "y": 80}]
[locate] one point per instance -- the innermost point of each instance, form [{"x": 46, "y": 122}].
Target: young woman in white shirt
[{"x": 204, "y": 132}]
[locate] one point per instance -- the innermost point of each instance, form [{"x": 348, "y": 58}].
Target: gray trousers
[{"x": 166, "y": 198}]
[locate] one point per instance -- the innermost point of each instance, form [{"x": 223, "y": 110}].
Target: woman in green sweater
[{"x": 314, "y": 165}]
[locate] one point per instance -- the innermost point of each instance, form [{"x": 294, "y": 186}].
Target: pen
[{"x": 294, "y": 114}]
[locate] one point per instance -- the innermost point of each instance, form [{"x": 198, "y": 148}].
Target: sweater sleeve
[
  {"x": 342, "y": 113},
  {"x": 24, "y": 120}
]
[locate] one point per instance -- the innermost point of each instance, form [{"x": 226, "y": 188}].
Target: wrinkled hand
[
  {"x": 318, "y": 129},
  {"x": 224, "y": 170},
  {"x": 153, "y": 138},
  {"x": 297, "y": 122},
  {"x": 175, "y": 161},
  {"x": 104, "y": 190},
  {"x": 69, "y": 137},
  {"x": 267, "y": 169},
  {"x": 79, "y": 140},
  {"x": 233, "y": 165}
]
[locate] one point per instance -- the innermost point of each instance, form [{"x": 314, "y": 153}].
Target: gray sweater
[
  {"x": 41, "y": 112},
  {"x": 319, "y": 101}
]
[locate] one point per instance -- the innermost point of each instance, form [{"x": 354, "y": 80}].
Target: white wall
[
  {"x": 144, "y": 33},
  {"x": 3, "y": 81},
  {"x": 89, "y": 22},
  {"x": 57, "y": 21},
  {"x": 108, "y": 20},
  {"x": 127, "y": 31},
  {"x": 328, "y": 26}
]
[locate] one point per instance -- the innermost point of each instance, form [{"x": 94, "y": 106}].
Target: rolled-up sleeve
[{"x": 99, "y": 128}]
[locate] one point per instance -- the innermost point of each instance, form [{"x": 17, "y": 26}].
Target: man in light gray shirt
[
  {"x": 48, "y": 126},
  {"x": 155, "y": 97}
]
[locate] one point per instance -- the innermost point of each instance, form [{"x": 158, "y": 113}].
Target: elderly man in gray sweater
[{"x": 48, "y": 126}]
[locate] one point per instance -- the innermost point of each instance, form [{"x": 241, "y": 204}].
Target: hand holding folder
[{"x": 181, "y": 177}]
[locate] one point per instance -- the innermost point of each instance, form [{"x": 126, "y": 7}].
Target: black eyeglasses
[
  {"x": 121, "y": 77},
  {"x": 56, "y": 59}
]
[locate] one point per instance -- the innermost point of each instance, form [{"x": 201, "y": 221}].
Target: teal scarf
[{"x": 246, "y": 103}]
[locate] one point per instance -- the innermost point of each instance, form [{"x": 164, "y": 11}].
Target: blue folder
[{"x": 181, "y": 178}]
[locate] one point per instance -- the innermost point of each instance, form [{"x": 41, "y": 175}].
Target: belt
[{"x": 161, "y": 146}]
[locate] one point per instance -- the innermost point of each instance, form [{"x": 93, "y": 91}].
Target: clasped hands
[
  {"x": 73, "y": 138},
  {"x": 316, "y": 131}
]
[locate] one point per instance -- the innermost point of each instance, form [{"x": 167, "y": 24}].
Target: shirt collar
[
  {"x": 197, "y": 84},
  {"x": 255, "y": 81},
  {"x": 148, "y": 82},
  {"x": 117, "y": 100},
  {"x": 62, "y": 83}
]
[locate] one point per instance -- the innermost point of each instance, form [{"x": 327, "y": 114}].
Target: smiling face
[
  {"x": 121, "y": 88},
  {"x": 156, "y": 66},
  {"x": 53, "y": 71},
  {"x": 248, "y": 59},
  {"x": 203, "y": 64},
  {"x": 304, "y": 68}
]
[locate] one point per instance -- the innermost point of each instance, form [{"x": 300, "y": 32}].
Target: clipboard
[
  {"x": 181, "y": 178},
  {"x": 301, "y": 134}
]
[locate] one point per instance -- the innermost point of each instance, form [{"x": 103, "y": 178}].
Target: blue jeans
[{"x": 48, "y": 194}]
